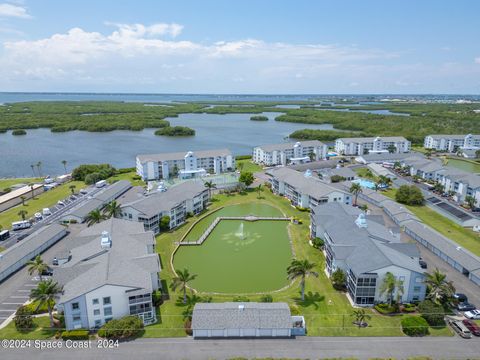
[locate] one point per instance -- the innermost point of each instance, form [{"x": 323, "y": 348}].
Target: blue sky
[{"x": 240, "y": 46}]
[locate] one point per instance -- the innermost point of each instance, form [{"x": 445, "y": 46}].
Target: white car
[
  {"x": 61, "y": 203},
  {"x": 474, "y": 314}
]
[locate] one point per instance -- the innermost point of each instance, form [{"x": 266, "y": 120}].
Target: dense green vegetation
[
  {"x": 175, "y": 131},
  {"x": 259, "y": 118},
  {"x": 409, "y": 195},
  {"x": 322, "y": 135},
  {"x": 91, "y": 173},
  {"x": 19, "y": 132}
]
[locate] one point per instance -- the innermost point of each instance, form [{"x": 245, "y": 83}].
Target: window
[
  {"x": 416, "y": 288},
  {"x": 76, "y": 318},
  {"x": 96, "y": 312},
  {"x": 75, "y": 306},
  {"x": 107, "y": 311},
  {"x": 95, "y": 301},
  {"x": 98, "y": 323},
  {"x": 107, "y": 300}
]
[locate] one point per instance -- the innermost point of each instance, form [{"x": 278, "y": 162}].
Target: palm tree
[
  {"x": 470, "y": 200},
  {"x": 181, "y": 280},
  {"x": 32, "y": 188},
  {"x": 23, "y": 214},
  {"x": 388, "y": 286},
  {"x": 45, "y": 294},
  {"x": 355, "y": 189},
  {"x": 39, "y": 167},
  {"x": 360, "y": 317},
  {"x": 64, "y": 162},
  {"x": 440, "y": 290},
  {"x": 301, "y": 269},
  {"x": 240, "y": 166},
  {"x": 72, "y": 188},
  {"x": 113, "y": 209},
  {"x": 37, "y": 265},
  {"x": 384, "y": 180},
  {"x": 210, "y": 185},
  {"x": 259, "y": 190},
  {"x": 400, "y": 290},
  {"x": 94, "y": 217},
  {"x": 33, "y": 170},
  {"x": 23, "y": 199}
]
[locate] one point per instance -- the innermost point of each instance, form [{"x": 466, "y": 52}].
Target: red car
[{"x": 474, "y": 328}]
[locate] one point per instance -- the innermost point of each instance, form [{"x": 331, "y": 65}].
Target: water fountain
[{"x": 240, "y": 233}]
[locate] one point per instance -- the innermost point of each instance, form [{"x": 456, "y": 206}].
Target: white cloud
[
  {"x": 477, "y": 60},
  {"x": 140, "y": 30},
  {"x": 9, "y": 10}
]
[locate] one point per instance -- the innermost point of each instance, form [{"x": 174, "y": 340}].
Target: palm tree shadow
[{"x": 310, "y": 299}]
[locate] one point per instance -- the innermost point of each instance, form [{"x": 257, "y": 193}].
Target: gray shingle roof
[
  {"x": 307, "y": 185},
  {"x": 126, "y": 263},
  {"x": 236, "y": 315},
  {"x": 389, "y": 157},
  {"x": 372, "y": 245},
  {"x": 158, "y": 202},
  {"x": 285, "y": 146},
  {"x": 370, "y": 139},
  {"x": 180, "y": 155}
]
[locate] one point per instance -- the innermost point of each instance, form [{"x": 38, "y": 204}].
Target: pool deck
[{"x": 218, "y": 219}]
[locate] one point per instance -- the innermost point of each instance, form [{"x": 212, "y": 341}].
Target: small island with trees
[
  {"x": 19, "y": 132},
  {"x": 259, "y": 118},
  {"x": 175, "y": 131}
]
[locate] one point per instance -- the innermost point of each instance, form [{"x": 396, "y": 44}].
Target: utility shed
[{"x": 237, "y": 319}]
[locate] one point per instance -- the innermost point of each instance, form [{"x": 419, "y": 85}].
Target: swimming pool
[{"x": 364, "y": 183}]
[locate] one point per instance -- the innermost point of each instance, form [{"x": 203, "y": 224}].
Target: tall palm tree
[
  {"x": 360, "y": 316},
  {"x": 301, "y": 269},
  {"x": 33, "y": 170},
  {"x": 259, "y": 190},
  {"x": 72, "y": 188},
  {"x": 181, "y": 280},
  {"x": 440, "y": 290},
  {"x": 37, "y": 265},
  {"x": 23, "y": 199},
  {"x": 64, "y": 162},
  {"x": 384, "y": 180},
  {"x": 400, "y": 290},
  {"x": 388, "y": 286},
  {"x": 94, "y": 217},
  {"x": 210, "y": 185},
  {"x": 113, "y": 209},
  {"x": 23, "y": 214},
  {"x": 355, "y": 189},
  {"x": 39, "y": 167},
  {"x": 45, "y": 294},
  {"x": 32, "y": 190}
]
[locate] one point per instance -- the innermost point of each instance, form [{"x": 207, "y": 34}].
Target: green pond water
[
  {"x": 464, "y": 165},
  {"x": 237, "y": 258}
]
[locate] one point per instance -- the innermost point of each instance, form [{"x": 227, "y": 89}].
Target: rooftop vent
[
  {"x": 361, "y": 221},
  {"x": 241, "y": 307},
  {"x": 308, "y": 173},
  {"x": 106, "y": 240}
]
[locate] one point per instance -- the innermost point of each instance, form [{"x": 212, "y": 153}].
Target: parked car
[
  {"x": 461, "y": 298},
  {"x": 47, "y": 272},
  {"x": 83, "y": 191},
  {"x": 61, "y": 203},
  {"x": 38, "y": 216},
  {"x": 422, "y": 264},
  {"x": 474, "y": 314},
  {"x": 21, "y": 237},
  {"x": 460, "y": 329},
  {"x": 46, "y": 212},
  {"x": 465, "y": 306},
  {"x": 472, "y": 326},
  {"x": 73, "y": 197}
]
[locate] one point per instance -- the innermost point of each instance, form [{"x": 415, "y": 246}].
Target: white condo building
[
  {"x": 372, "y": 145},
  {"x": 451, "y": 143},
  {"x": 110, "y": 274},
  {"x": 184, "y": 165},
  {"x": 290, "y": 153}
]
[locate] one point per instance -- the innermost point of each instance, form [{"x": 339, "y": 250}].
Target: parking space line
[
  {"x": 20, "y": 297},
  {"x": 7, "y": 310},
  {"x": 12, "y": 303},
  {"x": 30, "y": 285},
  {"x": 23, "y": 290}
]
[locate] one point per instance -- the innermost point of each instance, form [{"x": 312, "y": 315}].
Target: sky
[{"x": 248, "y": 46}]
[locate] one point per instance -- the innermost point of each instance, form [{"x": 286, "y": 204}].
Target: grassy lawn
[
  {"x": 41, "y": 330},
  {"x": 365, "y": 173},
  {"x": 2, "y": 248},
  {"x": 248, "y": 165},
  {"x": 463, "y": 236},
  {"x": 6, "y": 183},
  {"x": 327, "y": 312},
  {"x": 127, "y": 176},
  {"x": 43, "y": 200}
]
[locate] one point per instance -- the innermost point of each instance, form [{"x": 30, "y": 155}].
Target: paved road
[{"x": 301, "y": 348}]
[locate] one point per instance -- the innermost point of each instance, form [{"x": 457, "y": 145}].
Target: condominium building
[
  {"x": 452, "y": 143},
  {"x": 372, "y": 145},
  {"x": 303, "y": 190},
  {"x": 289, "y": 153},
  {"x": 366, "y": 251},
  {"x": 111, "y": 274},
  {"x": 184, "y": 165},
  {"x": 176, "y": 202}
]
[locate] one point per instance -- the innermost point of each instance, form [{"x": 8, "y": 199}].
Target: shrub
[
  {"x": 302, "y": 209},
  {"x": 19, "y": 132},
  {"x": 34, "y": 309},
  {"x": 136, "y": 177},
  {"x": 104, "y": 171},
  {"x": 294, "y": 309},
  {"x": 243, "y": 157},
  {"x": 339, "y": 279},
  {"x": 414, "y": 326},
  {"x": 266, "y": 298},
  {"x": 385, "y": 309},
  {"x": 409, "y": 308},
  {"x": 157, "y": 298},
  {"x": 337, "y": 178},
  {"x": 318, "y": 243},
  {"x": 165, "y": 223},
  {"x": 73, "y": 221},
  {"x": 75, "y": 335},
  {"x": 246, "y": 177},
  {"x": 409, "y": 195},
  {"x": 433, "y": 313},
  {"x": 188, "y": 327},
  {"x": 241, "y": 299},
  {"x": 126, "y": 327},
  {"x": 23, "y": 319}
]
